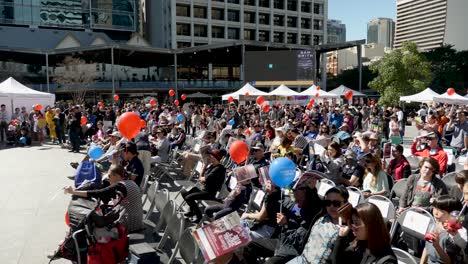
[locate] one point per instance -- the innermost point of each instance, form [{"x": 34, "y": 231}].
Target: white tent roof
[
  {"x": 247, "y": 88},
  {"x": 451, "y": 99},
  {"x": 283, "y": 90},
  {"x": 340, "y": 90},
  {"x": 20, "y": 95},
  {"x": 312, "y": 91},
  {"x": 427, "y": 95}
]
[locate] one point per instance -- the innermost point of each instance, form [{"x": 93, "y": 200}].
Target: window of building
[
  {"x": 278, "y": 37},
  {"x": 318, "y": 24},
  {"x": 278, "y": 4},
  {"x": 305, "y": 39},
  {"x": 233, "y": 33},
  {"x": 200, "y": 31},
  {"x": 233, "y": 1},
  {"x": 217, "y": 13},
  {"x": 249, "y": 2},
  {"x": 183, "y": 10},
  {"x": 305, "y": 23},
  {"x": 249, "y": 34},
  {"x": 183, "y": 44},
  {"x": 292, "y": 5},
  {"x": 292, "y": 38},
  {"x": 264, "y": 35},
  {"x": 200, "y": 43},
  {"x": 217, "y": 32},
  {"x": 306, "y": 7},
  {"x": 264, "y": 19},
  {"x": 183, "y": 29},
  {"x": 233, "y": 15},
  {"x": 200, "y": 12},
  {"x": 264, "y": 3},
  {"x": 317, "y": 40},
  {"x": 278, "y": 20},
  {"x": 292, "y": 22},
  {"x": 318, "y": 9},
  {"x": 249, "y": 17}
]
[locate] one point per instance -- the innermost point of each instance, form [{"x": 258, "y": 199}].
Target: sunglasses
[{"x": 329, "y": 203}]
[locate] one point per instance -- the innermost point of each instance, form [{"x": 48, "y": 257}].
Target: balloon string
[{"x": 281, "y": 201}]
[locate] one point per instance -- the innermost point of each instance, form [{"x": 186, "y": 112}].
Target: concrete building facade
[
  {"x": 381, "y": 31},
  {"x": 432, "y": 23},
  {"x": 336, "y": 31}
]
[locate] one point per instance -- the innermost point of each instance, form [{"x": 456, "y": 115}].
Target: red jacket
[
  {"x": 440, "y": 156},
  {"x": 399, "y": 170}
]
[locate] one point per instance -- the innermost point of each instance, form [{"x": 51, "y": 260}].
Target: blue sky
[{"x": 356, "y": 13}]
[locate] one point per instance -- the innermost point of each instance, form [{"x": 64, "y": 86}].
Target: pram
[
  {"x": 82, "y": 243},
  {"x": 12, "y": 134}
]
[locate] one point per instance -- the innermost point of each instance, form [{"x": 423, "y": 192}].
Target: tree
[
  {"x": 402, "y": 72},
  {"x": 12, "y": 69},
  {"x": 76, "y": 76}
]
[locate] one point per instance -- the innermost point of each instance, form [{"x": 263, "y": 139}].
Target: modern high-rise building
[
  {"x": 336, "y": 31},
  {"x": 182, "y": 23},
  {"x": 381, "y": 31},
  {"x": 432, "y": 23}
]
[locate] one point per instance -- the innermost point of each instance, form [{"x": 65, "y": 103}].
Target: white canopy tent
[
  {"x": 20, "y": 95},
  {"x": 283, "y": 90},
  {"x": 425, "y": 96},
  {"x": 312, "y": 91},
  {"x": 451, "y": 99},
  {"x": 340, "y": 91},
  {"x": 247, "y": 88}
]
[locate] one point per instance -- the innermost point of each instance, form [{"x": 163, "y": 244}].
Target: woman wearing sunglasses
[
  {"x": 324, "y": 231},
  {"x": 372, "y": 239}
]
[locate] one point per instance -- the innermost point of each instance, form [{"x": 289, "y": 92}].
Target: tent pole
[
  {"x": 47, "y": 71},
  {"x": 175, "y": 76},
  {"x": 112, "y": 70}
]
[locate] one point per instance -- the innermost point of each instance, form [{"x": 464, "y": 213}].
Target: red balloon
[
  {"x": 348, "y": 95},
  {"x": 38, "y": 107},
  {"x": 312, "y": 101},
  {"x": 260, "y": 99},
  {"x": 309, "y": 106},
  {"x": 248, "y": 132},
  {"x": 67, "y": 219},
  {"x": 278, "y": 105},
  {"x": 230, "y": 99},
  {"x": 317, "y": 95},
  {"x": 171, "y": 93},
  {"x": 153, "y": 102},
  {"x": 265, "y": 107},
  {"x": 116, "y": 97},
  {"x": 176, "y": 102},
  {"x": 183, "y": 96},
  {"x": 84, "y": 120},
  {"x": 450, "y": 91},
  {"x": 238, "y": 151},
  {"x": 318, "y": 88},
  {"x": 247, "y": 94},
  {"x": 143, "y": 123},
  {"x": 129, "y": 125}
]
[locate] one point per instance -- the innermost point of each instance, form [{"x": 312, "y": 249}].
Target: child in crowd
[{"x": 445, "y": 243}]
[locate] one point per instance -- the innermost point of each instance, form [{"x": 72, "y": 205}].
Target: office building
[
  {"x": 336, "y": 31},
  {"x": 381, "y": 31},
  {"x": 181, "y": 23},
  {"x": 432, "y": 23}
]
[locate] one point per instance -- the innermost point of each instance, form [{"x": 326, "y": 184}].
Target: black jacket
[
  {"x": 214, "y": 179},
  {"x": 343, "y": 252}
]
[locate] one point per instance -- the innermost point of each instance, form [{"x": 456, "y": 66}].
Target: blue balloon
[
  {"x": 95, "y": 152},
  {"x": 22, "y": 140},
  {"x": 231, "y": 122},
  {"x": 180, "y": 117},
  {"x": 282, "y": 172}
]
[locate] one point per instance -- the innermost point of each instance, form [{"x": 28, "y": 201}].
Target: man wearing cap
[
  {"x": 161, "y": 146},
  {"x": 353, "y": 172},
  {"x": 212, "y": 178},
  {"x": 430, "y": 148},
  {"x": 133, "y": 163},
  {"x": 336, "y": 118}
]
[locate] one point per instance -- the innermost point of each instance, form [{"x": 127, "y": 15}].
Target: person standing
[
  {"x": 4, "y": 121},
  {"x": 74, "y": 129}
]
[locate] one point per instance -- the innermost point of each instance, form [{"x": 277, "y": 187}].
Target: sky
[{"x": 356, "y": 13}]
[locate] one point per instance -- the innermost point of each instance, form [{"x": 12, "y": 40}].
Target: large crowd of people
[{"x": 345, "y": 143}]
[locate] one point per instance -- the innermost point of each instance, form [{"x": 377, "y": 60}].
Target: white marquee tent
[
  {"x": 451, "y": 99},
  {"x": 247, "y": 88},
  {"x": 340, "y": 91},
  {"x": 425, "y": 96},
  {"x": 14, "y": 94},
  {"x": 312, "y": 91},
  {"x": 283, "y": 90}
]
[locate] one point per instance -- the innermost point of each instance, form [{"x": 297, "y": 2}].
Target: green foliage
[{"x": 402, "y": 72}]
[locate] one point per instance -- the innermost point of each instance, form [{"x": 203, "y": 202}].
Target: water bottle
[
  {"x": 245, "y": 224},
  {"x": 454, "y": 223}
]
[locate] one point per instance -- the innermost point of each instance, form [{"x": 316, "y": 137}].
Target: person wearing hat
[
  {"x": 429, "y": 147},
  {"x": 374, "y": 144},
  {"x": 441, "y": 120},
  {"x": 161, "y": 146},
  {"x": 353, "y": 172},
  {"x": 132, "y": 163},
  {"x": 258, "y": 160},
  {"x": 212, "y": 178},
  {"x": 336, "y": 118},
  {"x": 279, "y": 135}
]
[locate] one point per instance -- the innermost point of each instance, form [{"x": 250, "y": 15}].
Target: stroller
[
  {"x": 12, "y": 133},
  {"x": 93, "y": 236}
]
